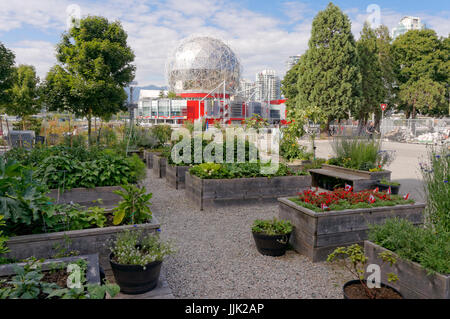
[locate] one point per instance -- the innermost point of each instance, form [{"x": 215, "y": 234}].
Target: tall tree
[
  {"x": 25, "y": 93},
  {"x": 289, "y": 84},
  {"x": 373, "y": 90},
  {"x": 6, "y": 73},
  {"x": 330, "y": 77},
  {"x": 420, "y": 55},
  {"x": 94, "y": 67}
]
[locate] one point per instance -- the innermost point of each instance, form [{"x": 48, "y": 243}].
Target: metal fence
[{"x": 417, "y": 130}]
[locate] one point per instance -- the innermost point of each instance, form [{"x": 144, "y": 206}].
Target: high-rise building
[
  {"x": 247, "y": 89},
  {"x": 268, "y": 86},
  {"x": 293, "y": 59},
  {"x": 406, "y": 24}
]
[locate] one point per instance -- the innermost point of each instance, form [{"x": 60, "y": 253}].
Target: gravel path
[{"x": 216, "y": 255}]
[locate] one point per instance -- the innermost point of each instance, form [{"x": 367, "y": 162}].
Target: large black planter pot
[
  {"x": 134, "y": 279},
  {"x": 394, "y": 189},
  {"x": 271, "y": 245},
  {"x": 352, "y": 282}
]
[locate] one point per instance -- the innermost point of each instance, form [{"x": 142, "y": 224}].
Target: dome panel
[{"x": 199, "y": 65}]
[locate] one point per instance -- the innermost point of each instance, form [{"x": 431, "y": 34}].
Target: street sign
[{"x": 383, "y": 107}]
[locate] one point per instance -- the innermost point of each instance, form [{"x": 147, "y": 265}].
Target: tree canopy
[
  {"x": 95, "y": 64},
  {"x": 6, "y": 73},
  {"x": 329, "y": 76},
  {"x": 24, "y": 95}
]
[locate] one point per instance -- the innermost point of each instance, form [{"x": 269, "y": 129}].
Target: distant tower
[
  {"x": 268, "y": 86},
  {"x": 293, "y": 60},
  {"x": 406, "y": 24}
]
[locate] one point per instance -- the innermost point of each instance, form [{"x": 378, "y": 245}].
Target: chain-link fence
[{"x": 417, "y": 130}]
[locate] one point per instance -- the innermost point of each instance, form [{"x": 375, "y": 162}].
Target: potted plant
[
  {"x": 136, "y": 260},
  {"x": 272, "y": 236},
  {"x": 355, "y": 261},
  {"x": 384, "y": 185}
]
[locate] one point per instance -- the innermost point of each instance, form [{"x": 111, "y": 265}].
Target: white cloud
[{"x": 154, "y": 28}]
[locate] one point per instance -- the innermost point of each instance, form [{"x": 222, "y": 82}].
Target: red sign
[{"x": 383, "y": 107}]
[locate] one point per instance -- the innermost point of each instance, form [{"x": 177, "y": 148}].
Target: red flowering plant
[{"x": 341, "y": 198}]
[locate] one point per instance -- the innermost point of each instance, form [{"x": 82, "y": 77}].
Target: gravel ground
[{"x": 217, "y": 258}]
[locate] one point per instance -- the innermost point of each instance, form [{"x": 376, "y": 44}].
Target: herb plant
[
  {"x": 272, "y": 227},
  {"x": 131, "y": 247}
]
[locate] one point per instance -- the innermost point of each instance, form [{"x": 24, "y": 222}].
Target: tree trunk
[{"x": 89, "y": 117}]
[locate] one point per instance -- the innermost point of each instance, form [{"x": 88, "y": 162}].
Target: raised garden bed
[
  {"x": 414, "y": 282},
  {"x": 92, "y": 272},
  {"x": 175, "y": 175},
  {"x": 317, "y": 234},
  {"x": 85, "y": 241},
  {"x": 358, "y": 179},
  {"x": 212, "y": 193},
  {"x": 148, "y": 155},
  {"x": 159, "y": 166},
  {"x": 87, "y": 196}
]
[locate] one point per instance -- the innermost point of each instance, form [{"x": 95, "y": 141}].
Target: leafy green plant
[
  {"x": 436, "y": 176},
  {"x": 390, "y": 183},
  {"x": 23, "y": 202},
  {"x": 355, "y": 261},
  {"x": 131, "y": 247},
  {"x": 3, "y": 239},
  {"x": 133, "y": 209},
  {"x": 162, "y": 133},
  {"x": 423, "y": 245},
  {"x": 28, "y": 283},
  {"x": 272, "y": 227}
]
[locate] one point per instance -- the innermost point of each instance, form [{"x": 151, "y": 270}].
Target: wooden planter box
[
  {"x": 86, "y": 241},
  {"x": 413, "y": 283},
  {"x": 92, "y": 272},
  {"x": 148, "y": 155},
  {"x": 175, "y": 175},
  {"x": 316, "y": 235},
  {"x": 87, "y": 196},
  {"x": 212, "y": 193},
  {"x": 159, "y": 166},
  {"x": 374, "y": 176},
  {"x": 360, "y": 180}
]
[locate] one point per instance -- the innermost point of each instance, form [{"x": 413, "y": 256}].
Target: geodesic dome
[{"x": 198, "y": 65}]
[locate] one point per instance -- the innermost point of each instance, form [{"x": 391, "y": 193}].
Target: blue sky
[{"x": 262, "y": 33}]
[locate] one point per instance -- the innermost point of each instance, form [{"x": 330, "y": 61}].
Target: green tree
[
  {"x": 386, "y": 60},
  {"x": 6, "y": 73},
  {"x": 373, "y": 90},
  {"x": 420, "y": 56},
  {"x": 329, "y": 76},
  {"x": 24, "y": 94},
  {"x": 94, "y": 67},
  {"x": 172, "y": 95},
  {"x": 289, "y": 84},
  {"x": 424, "y": 95}
]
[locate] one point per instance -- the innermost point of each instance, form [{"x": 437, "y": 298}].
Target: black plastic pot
[
  {"x": 352, "y": 282},
  {"x": 134, "y": 279},
  {"x": 271, "y": 245},
  {"x": 383, "y": 187}
]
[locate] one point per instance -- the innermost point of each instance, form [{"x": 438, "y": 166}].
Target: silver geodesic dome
[{"x": 198, "y": 65}]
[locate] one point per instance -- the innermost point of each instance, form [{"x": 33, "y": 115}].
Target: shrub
[
  {"x": 272, "y": 227},
  {"x": 3, "y": 239},
  {"x": 132, "y": 248}
]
